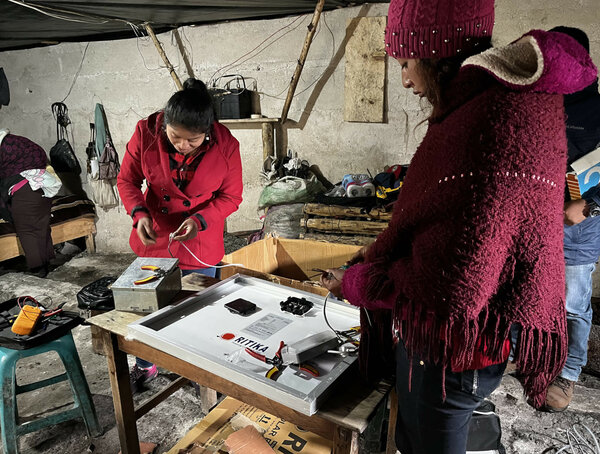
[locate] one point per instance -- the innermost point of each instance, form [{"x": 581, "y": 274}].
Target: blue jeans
[
  {"x": 207, "y": 272},
  {"x": 211, "y": 272},
  {"x": 578, "y": 280},
  {"x": 428, "y": 424}
]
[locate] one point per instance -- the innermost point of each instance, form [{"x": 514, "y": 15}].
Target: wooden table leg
[
  {"x": 391, "y": 435},
  {"x": 118, "y": 372},
  {"x": 345, "y": 441}
]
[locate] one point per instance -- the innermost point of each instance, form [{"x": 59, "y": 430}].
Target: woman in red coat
[{"x": 193, "y": 173}]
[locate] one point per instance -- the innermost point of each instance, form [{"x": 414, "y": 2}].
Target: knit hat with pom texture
[{"x": 437, "y": 28}]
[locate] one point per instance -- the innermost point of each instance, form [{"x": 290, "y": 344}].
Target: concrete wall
[{"x": 129, "y": 78}]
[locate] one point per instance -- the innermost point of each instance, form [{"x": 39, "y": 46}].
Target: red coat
[{"x": 214, "y": 192}]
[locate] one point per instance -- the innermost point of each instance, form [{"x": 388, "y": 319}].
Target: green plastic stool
[{"x": 83, "y": 405}]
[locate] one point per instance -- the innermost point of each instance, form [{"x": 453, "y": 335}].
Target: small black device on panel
[{"x": 241, "y": 306}]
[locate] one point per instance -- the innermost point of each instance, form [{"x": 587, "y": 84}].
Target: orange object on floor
[{"x": 247, "y": 441}]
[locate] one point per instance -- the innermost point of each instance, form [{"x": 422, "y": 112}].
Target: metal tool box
[{"x": 150, "y": 296}]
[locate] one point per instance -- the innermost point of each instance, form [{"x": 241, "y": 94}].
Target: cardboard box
[
  {"x": 282, "y": 436},
  {"x": 587, "y": 169},
  {"x": 289, "y": 262}
]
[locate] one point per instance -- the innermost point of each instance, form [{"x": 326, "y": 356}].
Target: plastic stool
[{"x": 83, "y": 405}]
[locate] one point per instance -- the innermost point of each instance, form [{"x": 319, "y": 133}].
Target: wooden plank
[
  {"x": 345, "y": 441},
  {"x": 75, "y": 228},
  {"x": 391, "y": 434},
  {"x": 344, "y": 226},
  {"x": 158, "y": 397},
  {"x": 233, "y": 121},
  {"x": 364, "y": 86},
  {"x": 10, "y": 246},
  {"x": 337, "y": 238},
  {"x": 118, "y": 372},
  {"x": 319, "y": 209}
]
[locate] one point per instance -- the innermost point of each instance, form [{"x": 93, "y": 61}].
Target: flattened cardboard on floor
[{"x": 282, "y": 436}]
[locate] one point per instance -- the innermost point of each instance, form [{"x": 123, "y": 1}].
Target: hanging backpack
[{"x": 62, "y": 157}]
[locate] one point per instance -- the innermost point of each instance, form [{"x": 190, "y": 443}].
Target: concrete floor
[{"x": 524, "y": 429}]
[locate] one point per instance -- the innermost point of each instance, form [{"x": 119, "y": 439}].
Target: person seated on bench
[{"x": 25, "y": 190}]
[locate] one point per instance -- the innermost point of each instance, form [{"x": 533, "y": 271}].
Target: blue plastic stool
[{"x": 83, "y": 405}]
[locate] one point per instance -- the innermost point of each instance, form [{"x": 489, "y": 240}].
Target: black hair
[
  {"x": 437, "y": 74},
  {"x": 191, "y": 108},
  {"x": 576, "y": 33}
]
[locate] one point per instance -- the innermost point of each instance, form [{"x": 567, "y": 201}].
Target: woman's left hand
[
  {"x": 331, "y": 279},
  {"x": 186, "y": 231}
]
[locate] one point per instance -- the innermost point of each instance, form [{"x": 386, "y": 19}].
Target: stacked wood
[{"x": 345, "y": 220}]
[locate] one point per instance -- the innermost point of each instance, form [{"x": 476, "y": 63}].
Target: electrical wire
[
  {"x": 230, "y": 65},
  {"x": 278, "y": 95},
  {"x": 342, "y": 336},
  {"x": 172, "y": 235},
  {"x": 77, "y": 73},
  {"x": 577, "y": 441},
  {"x": 40, "y": 9}
]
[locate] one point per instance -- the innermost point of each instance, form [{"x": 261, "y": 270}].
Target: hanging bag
[
  {"x": 62, "y": 157},
  {"x": 109, "y": 162},
  {"x": 108, "y": 159}
]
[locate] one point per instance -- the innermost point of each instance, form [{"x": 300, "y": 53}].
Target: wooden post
[
  {"x": 118, "y": 373},
  {"x": 267, "y": 140},
  {"x": 181, "y": 47},
  {"x": 312, "y": 28},
  {"x": 161, "y": 51}
]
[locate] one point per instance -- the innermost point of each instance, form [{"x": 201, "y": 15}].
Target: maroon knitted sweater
[{"x": 475, "y": 243}]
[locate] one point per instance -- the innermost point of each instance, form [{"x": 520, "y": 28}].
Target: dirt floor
[{"x": 525, "y": 430}]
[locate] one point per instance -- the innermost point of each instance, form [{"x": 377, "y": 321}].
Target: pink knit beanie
[{"x": 437, "y": 28}]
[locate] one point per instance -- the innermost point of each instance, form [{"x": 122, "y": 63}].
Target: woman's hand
[
  {"x": 145, "y": 231},
  {"x": 186, "y": 231},
  {"x": 331, "y": 279},
  {"x": 575, "y": 211},
  {"x": 359, "y": 256}
]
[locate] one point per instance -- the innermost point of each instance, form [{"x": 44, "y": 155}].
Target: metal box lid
[{"x": 135, "y": 272}]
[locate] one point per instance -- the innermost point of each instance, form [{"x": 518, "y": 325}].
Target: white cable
[
  {"x": 579, "y": 443},
  {"x": 39, "y": 9},
  {"x": 172, "y": 235}
]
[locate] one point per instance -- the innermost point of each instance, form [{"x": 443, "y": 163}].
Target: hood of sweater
[{"x": 539, "y": 61}]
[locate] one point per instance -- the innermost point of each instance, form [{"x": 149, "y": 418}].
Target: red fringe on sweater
[{"x": 540, "y": 355}]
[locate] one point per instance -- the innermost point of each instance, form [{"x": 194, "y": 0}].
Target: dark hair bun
[{"x": 194, "y": 84}]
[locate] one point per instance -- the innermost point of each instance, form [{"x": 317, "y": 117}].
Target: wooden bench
[
  {"x": 72, "y": 217},
  {"x": 10, "y": 246}
]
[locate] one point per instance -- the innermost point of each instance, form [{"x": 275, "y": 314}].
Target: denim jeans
[
  {"x": 578, "y": 280},
  {"x": 211, "y": 272},
  {"x": 207, "y": 272},
  {"x": 428, "y": 424}
]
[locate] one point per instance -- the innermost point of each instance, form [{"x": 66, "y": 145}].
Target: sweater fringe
[{"x": 539, "y": 354}]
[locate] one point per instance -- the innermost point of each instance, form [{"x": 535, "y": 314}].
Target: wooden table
[{"x": 342, "y": 418}]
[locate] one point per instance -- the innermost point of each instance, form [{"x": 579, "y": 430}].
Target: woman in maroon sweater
[{"x": 475, "y": 243}]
